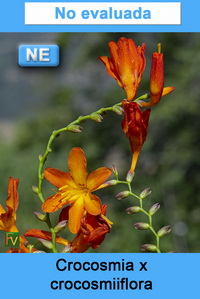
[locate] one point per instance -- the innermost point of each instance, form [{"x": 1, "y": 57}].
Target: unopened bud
[
  {"x": 60, "y": 226},
  {"x": 40, "y": 216},
  {"x": 114, "y": 170},
  {"x": 164, "y": 231},
  {"x": 38, "y": 251},
  {"x": 118, "y": 110},
  {"x": 154, "y": 209},
  {"x": 130, "y": 176},
  {"x": 35, "y": 189},
  {"x": 141, "y": 225},
  {"x": 96, "y": 117},
  {"x": 123, "y": 195},
  {"x": 74, "y": 128},
  {"x": 110, "y": 183},
  {"x": 149, "y": 248},
  {"x": 146, "y": 192},
  {"x": 66, "y": 249},
  {"x": 46, "y": 243},
  {"x": 133, "y": 210}
]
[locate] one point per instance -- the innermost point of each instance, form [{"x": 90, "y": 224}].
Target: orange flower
[
  {"x": 126, "y": 65},
  {"x": 75, "y": 188},
  {"x": 8, "y": 218},
  {"x": 91, "y": 234},
  {"x": 135, "y": 126}
]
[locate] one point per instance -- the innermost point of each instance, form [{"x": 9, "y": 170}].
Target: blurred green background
[{"x": 34, "y": 102}]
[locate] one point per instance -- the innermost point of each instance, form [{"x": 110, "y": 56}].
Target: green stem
[
  {"x": 53, "y": 234},
  {"x": 143, "y": 97}
]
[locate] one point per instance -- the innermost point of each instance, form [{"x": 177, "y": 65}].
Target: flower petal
[
  {"x": 53, "y": 203},
  {"x": 126, "y": 59},
  {"x": 77, "y": 166},
  {"x": 92, "y": 204},
  {"x": 167, "y": 90},
  {"x": 59, "y": 178},
  {"x": 42, "y": 234},
  {"x": 110, "y": 67},
  {"x": 96, "y": 237},
  {"x": 12, "y": 200},
  {"x": 76, "y": 212},
  {"x": 8, "y": 221},
  {"x": 98, "y": 177},
  {"x": 64, "y": 214},
  {"x": 2, "y": 209},
  {"x": 113, "y": 48},
  {"x": 57, "y": 201}
]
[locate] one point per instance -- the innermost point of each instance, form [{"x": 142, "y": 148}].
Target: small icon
[
  {"x": 38, "y": 55},
  {"x": 12, "y": 239}
]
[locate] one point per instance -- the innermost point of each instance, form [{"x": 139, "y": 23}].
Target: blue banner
[
  {"x": 104, "y": 16},
  {"x": 100, "y": 275}
]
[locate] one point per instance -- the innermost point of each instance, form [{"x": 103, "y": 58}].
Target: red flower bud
[
  {"x": 156, "y": 78},
  {"x": 157, "y": 89}
]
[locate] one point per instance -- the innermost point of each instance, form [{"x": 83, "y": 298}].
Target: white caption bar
[{"x": 103, "y": 13}]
